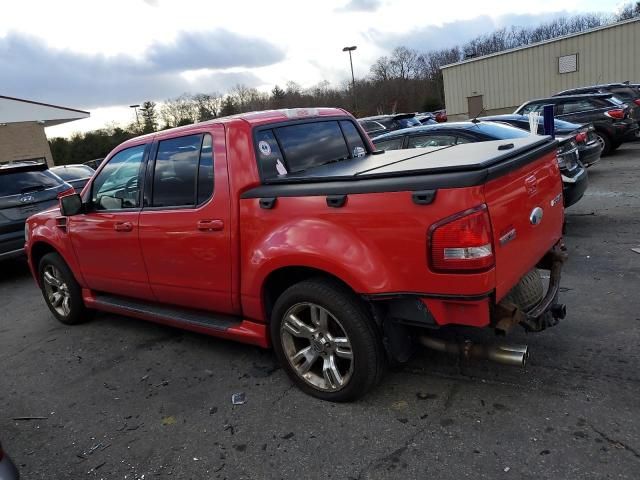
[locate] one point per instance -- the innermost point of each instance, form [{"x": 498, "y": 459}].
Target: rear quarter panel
[{"x": 376, "y": 243}]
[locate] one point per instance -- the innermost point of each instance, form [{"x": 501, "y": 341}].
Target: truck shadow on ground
[{"x": 14, "y": 269}]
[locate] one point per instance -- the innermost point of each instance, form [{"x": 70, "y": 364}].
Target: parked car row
[
  {"x": 574, "y": 175},
  {"x": 29, "y": 187}
]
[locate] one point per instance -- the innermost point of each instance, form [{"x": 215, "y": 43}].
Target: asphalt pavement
[{"x": 118, "y": 398}]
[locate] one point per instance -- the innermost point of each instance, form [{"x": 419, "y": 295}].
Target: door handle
[
  {"x": 122, "y": 226},
  {"x": 210, "y": 225}
]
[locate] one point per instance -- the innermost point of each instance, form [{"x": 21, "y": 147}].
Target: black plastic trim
[
  {"x": 440, "y": 296},
  {"x": 424, "y": 197},
  {"x": 169, "y": 312},
  {"x": 336, "y": 201},
  {"x": 369, "y": 185},
  {"x": 268, "y": 203}
]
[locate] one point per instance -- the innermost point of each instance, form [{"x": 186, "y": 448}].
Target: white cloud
[{"x": 75, "y": 43}]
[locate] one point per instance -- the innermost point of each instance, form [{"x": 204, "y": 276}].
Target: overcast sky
[{"x": 102, "y": 56}]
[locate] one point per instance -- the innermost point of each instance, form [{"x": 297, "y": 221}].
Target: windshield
[{"x": 17, "y": 183}]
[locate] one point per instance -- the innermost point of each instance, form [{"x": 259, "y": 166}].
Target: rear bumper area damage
[{"x": 547, "y": 312}]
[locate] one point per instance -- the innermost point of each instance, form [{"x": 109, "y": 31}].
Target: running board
[{"x": 209, "y": 323}]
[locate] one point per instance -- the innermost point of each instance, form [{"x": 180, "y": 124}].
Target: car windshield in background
[
  {"x": 73, "y": 173},
  {"x": 307, "y": 145},
  {"x": 616, "y": 101},
  {"x": 499, "y": 131},
  {"x": 17, "y": 183}
]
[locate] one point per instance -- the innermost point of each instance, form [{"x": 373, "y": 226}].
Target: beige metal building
[
  {"x": 22, "y": 124},
  {"x": 501, "y": 82}
]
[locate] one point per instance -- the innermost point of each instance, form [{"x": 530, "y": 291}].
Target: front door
[
  {"x": 105, "y": 238},
  {"x": 185, "y": 230}
]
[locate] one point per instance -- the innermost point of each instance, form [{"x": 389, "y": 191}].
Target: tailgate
[{"x": 527, "y": 213}]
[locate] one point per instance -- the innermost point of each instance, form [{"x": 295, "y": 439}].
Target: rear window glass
[
  {"x": 294, "y": 148},
  {"x": 74, "y": 173},
  {"x": 499, "y": 131},
  {"x": 408, "y": 122},
  {"x": 625, "y": 93},
  {"x": 23, "y": 182}
]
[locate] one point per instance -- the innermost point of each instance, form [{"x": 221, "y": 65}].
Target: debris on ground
[
  {"x": 238, "y": 398},
  {"x": 636, "y": 250},
  {"x": 169, "y": 420}
]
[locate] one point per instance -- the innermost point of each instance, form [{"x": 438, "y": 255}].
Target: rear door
[
  {"x": 527, "y": 213},
  {"x": 185, "y": 229}
]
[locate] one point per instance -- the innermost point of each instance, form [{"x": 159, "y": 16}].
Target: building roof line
[
  {"x": 551, "y": 40},
  {"x": 44, "y": 104}
]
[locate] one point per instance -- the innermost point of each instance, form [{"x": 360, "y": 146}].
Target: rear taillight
[
  {"x": 616, "y": 113},
  {"x": 68, "y": 191},
  {"x": 462, "y": 242},
  {"x": 581, "y": 137},
  {"x": 637, "y": 101}
]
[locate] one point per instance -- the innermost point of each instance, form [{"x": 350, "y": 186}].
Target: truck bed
[{"x": 487, "y": 159}]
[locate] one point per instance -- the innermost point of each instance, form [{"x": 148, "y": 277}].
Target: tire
[
  {"x": 317, "y": 325},
  {"x": 528, "y": 292},
  {"x": 605, "y": 143},
  {"x": 61, "y": 291}
]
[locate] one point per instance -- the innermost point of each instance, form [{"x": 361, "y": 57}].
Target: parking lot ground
[{"x": 122, "y": 398}]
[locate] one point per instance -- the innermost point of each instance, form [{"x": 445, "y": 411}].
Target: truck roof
[{"x": 252, "y": 118}]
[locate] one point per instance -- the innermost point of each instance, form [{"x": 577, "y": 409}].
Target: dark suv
[
  {"x": 613, "y": 120},
  {"x": 25, "y": 188},
  {"x": 387, "y": 123}
]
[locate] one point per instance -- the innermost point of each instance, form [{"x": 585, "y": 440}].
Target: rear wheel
[
  {"x": 61, "y": 292},
  {"x": 605, "y": 143},
  {"x": 326, "y": 340}
]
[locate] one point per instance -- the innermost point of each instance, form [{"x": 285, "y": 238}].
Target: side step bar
[
  {"x": 209, "y": 323},
  {"x": 168, "y": 312}
]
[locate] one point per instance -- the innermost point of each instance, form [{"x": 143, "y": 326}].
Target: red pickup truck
[{"x": 287, "y": 229}]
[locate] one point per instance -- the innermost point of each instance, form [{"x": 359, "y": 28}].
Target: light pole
[
  {"x": 135, "y": 107},
  {"x": 353, "y": 78}
]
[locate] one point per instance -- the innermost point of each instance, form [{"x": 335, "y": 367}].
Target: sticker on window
[
  {"x": 265, "y": 148},
  {"x": 358, "y": 152},
  {"x": 280, "y": 167}
]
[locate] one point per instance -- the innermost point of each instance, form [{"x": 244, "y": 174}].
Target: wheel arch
[
  {"x": 38, "y": 250},
  {"x": 277, "y": 281}
]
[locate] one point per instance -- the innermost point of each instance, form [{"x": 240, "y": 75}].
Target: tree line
[{"x": 407, "y": 80}]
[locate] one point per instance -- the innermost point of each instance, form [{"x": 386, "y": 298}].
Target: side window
[
  {"x": 528, "y": 109},
  {"x": 205, "y": 170},
  {"x": 392, "y": 144},
  {"x": 117, "y": 186},
  {"x": 461, "y": 140},
  {"x": 576, "y": 106},
  {"x": 309, "y": 145},
  {"x": 269, "y": 155},
  {"x": 419, "y": 141},
  {"x": 176, "y": 172},
  {"x": 354, "y": 140}
]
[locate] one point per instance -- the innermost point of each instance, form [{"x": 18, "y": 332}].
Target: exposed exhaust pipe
[{"x": 514, "y": 355}]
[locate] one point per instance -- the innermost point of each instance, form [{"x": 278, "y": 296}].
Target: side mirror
[{"x": 70, "y": 205}]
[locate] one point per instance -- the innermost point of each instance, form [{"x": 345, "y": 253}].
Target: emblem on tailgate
[
  {"x": 26, "y": 198},
  {"x": 536, "y": 216}
]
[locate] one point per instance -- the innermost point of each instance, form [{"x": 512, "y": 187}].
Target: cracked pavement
[{"x": 128, "y": 399}]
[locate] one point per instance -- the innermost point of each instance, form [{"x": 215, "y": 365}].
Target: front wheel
[
  {"x": 326, "y": 340},
  {"x": 60, "y": 290}
]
